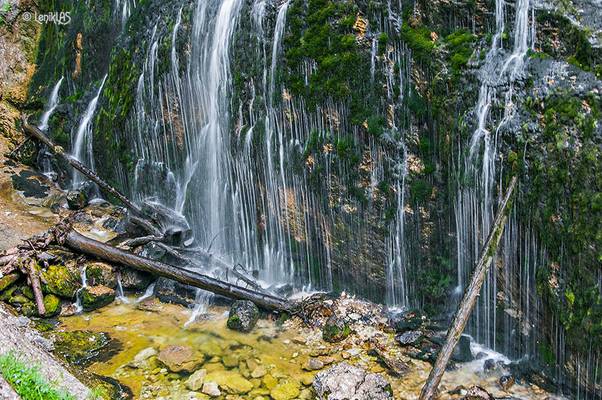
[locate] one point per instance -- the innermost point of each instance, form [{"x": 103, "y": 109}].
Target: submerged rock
[
  {"x": 286, "y": 390},
  {"x": 180, "y": 359},
  {"x": 196, "y": 380},
  {"x": 335, "y": 330},
  {"x": 211, "y": 389},
  {"x": 94, "y": 297},
  {"x": 344, "y": 381},
  {"x": 81, "y": 347},
  {"x": 230, "y": 381},
  {"x": 243, "y": 316}
]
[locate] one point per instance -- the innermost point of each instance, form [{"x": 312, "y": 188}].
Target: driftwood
[
  {"x": 67, "y": 236},
  {"x": 471, "y": 294},
  {"x": 37, "y": 134}
]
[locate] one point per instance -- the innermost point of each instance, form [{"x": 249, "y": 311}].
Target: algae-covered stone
[
  {"x": 286, "y": 390},
  {"x": 335, "y": 330},
  {"x": 269, "y": 381},
  {"x": 243, "y": 316},
  {"x": 52, "y": 304},
  {"x": 210, "y": 349},
  {"x": 180, "y": 359},
  {"x": 230, "y": 360},
  {"x": 230, "y": 381},
  {"x": 80, "y": 347},
  {"x": 61, "y": 280},
  {"x": 8, "y": 280},
  {"x": 94, "y": 297}
]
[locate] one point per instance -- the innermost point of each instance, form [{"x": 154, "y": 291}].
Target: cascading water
[
  {"x": 44, "y": 157},
  {"x": 53, "y": 101},
  {"x": 475, "y": 202},
  {"x": 81, "y": 147}
]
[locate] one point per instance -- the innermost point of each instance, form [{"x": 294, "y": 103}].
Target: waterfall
[
  {"x": 53, "y": 101},
  {"x": 475, "y": 203},
  {"x": 81, "y": 147}
]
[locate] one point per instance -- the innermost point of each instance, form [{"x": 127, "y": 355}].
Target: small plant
[{"x": 27, "y": 381}]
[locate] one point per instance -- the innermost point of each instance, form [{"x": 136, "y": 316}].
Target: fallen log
[
  {"x": 91, "y": 247},
  {"x": 37, "y": 134},
  {"x": 469, "y": 299},
  {"x": 36, "y": 287}
]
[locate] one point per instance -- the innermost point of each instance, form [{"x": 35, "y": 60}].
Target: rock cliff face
[{"x": 358, "y": 145}]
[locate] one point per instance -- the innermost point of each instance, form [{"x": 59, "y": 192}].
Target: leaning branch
[
  {"x": 37, "y": 134},
  {"x": 470, "y": 297}
]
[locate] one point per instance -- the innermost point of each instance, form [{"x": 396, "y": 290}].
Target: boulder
[
  {"x": 76, "y": 199},
  {"x": 169, "y": 291},
  {"x": 94, "y": 297},
  {"x": 407, "y": 321},
  {"x": 100, "y": 273},
  {"x": 335, "y": 330},
  {"x": 344, "y": 381},
  {"x": 180, "y": 359},
  {"x": 174, "y": 225},
  {"x": 132, "y": 279},
  {"x": 462, "y": 351},
  {"x": 506, "y": 382},
  {"x": 409, "y": 338},
  {"x": 196, "y": 380},
  {"x": 243, "y": 316},
  {"x": 477, "y": 393},
  {"x": 82, "y": 347},
  {"x": 63, "y": 280},
  {"x": 286, "y": 390}
]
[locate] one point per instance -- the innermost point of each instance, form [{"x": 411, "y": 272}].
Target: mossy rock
[
  {"x": 243, "y": 316},
  {"x": 61, "y": 280},
  {"x": 52, "y": 304},
  {"x": 80, "y": 347},
  {"x": 335, "y": 330},
  {"x": 7, "y": 280},
  {"x": 94, "y": 297},
  {"x": 99, "y": 273}
]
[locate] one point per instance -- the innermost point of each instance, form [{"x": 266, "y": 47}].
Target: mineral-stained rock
[
  {"x": 94, "y": 297},
  {"x": 344, "y": 381},
  {"x": 335, "y": 330},
  {"x": 243, "y": 316},
  {"x": 180, "y": 359}
]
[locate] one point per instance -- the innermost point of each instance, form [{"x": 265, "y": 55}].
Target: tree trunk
[
  {"x": 37, "y": 134},
  {"x": 470, "y": 297},
  {"x": 112, "y": 254},
  {"x": 35, "y": 286}
]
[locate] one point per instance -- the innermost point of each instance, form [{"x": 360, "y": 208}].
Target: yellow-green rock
[
  {"x": 8, "y": 280},
  {"x": 230, "y": 381},
  {"x": 61, "y": 280},
  {"x": 269, "y": 381},
  {"x": 52, "y": 304},
  {"x": 286, "y": 390}
]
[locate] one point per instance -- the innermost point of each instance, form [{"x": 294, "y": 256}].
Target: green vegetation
[
  {"x": 27, "y": 380},
  {"x": 460, "y": 48}
]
